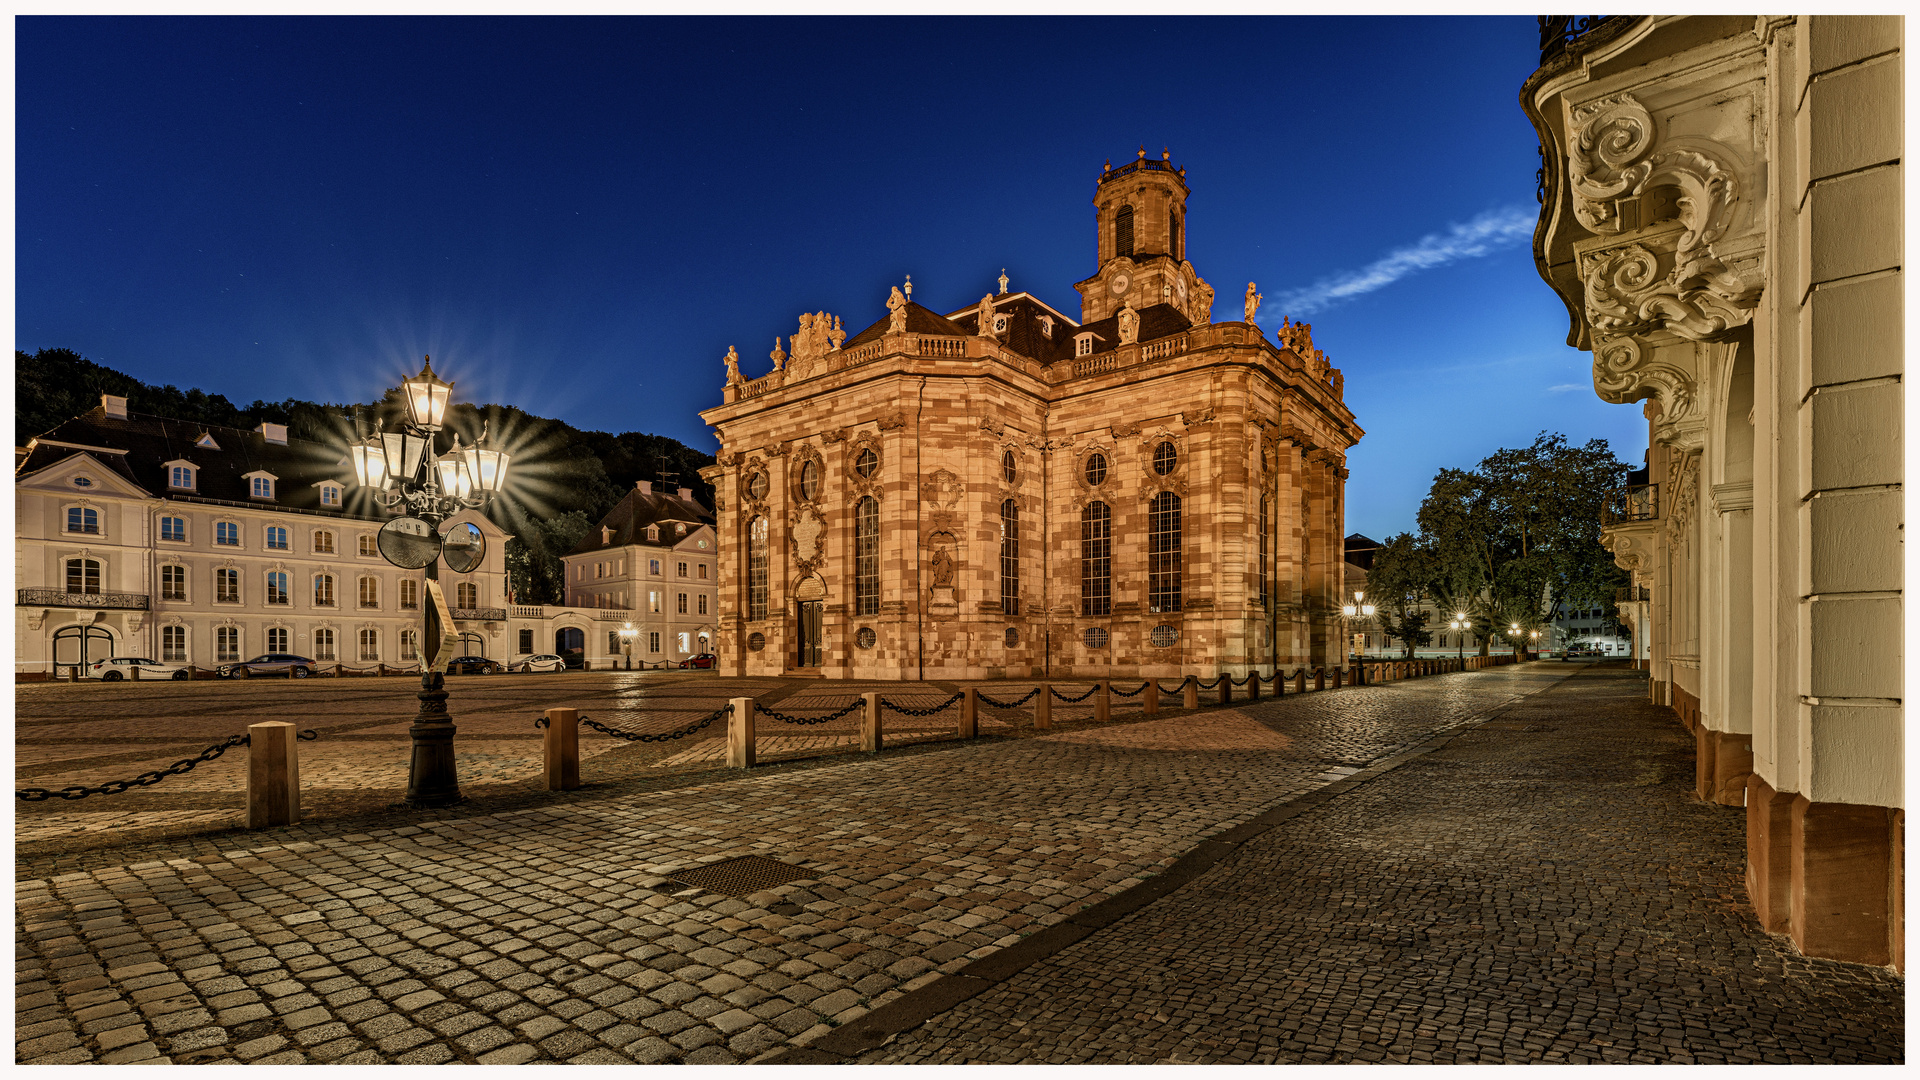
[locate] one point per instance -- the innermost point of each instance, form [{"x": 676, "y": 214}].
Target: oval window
[
  {"x": 1013, "y": 637},
  {"x": 1165, "y": 458},
  {"x": 756, "y": 641},
  {"x": 757, "y": 485},
  {"x": 1096, "y": 637},
  {"x": 867, "y": 463},
  {"x": 810, "y": 480},
  {"x": 1007, "y": 468},
  {"x": 1164, "y": 636},
  {"x": 1096, "y": 470},
  {"x": 81, "y": 481},
  {"x": 865, "y": 637}
]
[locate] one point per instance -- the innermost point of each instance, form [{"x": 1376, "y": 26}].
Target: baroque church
[{"x": 1009, "y": 491}]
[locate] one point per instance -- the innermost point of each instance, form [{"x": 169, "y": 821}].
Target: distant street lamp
[
  {"x": 626, "y": 643},
  {"x": 1363, "y": 610},
  {"x": 1534, "y": 635},
  {"x": 411, "y": 480},
  {"x": 1459, "y": 626}
]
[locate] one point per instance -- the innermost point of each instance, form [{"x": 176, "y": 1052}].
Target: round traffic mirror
[
  {"x": 463, "y": 546},
  {"x": 408, "y": 543}
]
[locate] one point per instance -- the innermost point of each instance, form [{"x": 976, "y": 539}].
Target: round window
[
  {"x": 810, "y": 480},
  {"x": 1013, "y": 637},
  {"x": 1007, "y": 466},
  {"x": 757, "y": 485},
  {"x": 756, "y": 641},
  {"x": 867, "y": 463},
  {"x": 1165, "y": 458},
  {"x": 1096, "y": 637},
  {"x": 1164, "y": 635},
  {"x": 81, "y": 481},
  {"x": 1096, "y": 470},
  {"x": 865, "y": 637}
]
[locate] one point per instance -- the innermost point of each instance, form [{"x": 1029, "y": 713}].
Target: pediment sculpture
[{"x": 819, "y": 334}]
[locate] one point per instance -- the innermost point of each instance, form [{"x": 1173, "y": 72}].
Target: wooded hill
[{"x": 562, "y": 481}]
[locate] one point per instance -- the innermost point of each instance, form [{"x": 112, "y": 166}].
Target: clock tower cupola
[{"x": 1140, "y": 215}]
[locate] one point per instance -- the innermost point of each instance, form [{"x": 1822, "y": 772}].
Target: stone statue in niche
[
  {"x": 942, "y": 602},
  {"x": 733, "y": 364},
  {"x": 897, "y": 312},
  {"x": 1253, "y": 302},
  {"x": 942, "y": 567},
  {"x": 1129, "y": 321}
]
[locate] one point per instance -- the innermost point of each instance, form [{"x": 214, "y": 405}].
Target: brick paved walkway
[
  {"x": 554, "y": 931},
  {"x": 1542, "y": 888}
]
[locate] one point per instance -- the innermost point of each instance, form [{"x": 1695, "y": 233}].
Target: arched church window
[
  {"x": 1096, "y": 560},
  {"x": 1165, "y": 458},
  {"x": 757, "y": 568},
  {"x": 866, "y": 557},
  {"x": 810, "y": 480},
  {"x": 1009, "y": 557},
  {"x": 1175, "y": 245},
  {"x": 1096, "y": 470},
  {"x": 1008, "y": 468},
  {"x": 1163, "y": 552},
  {"x": 1123, "y": 231}
]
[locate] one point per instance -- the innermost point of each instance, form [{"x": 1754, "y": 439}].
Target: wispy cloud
[
  {"x": 1565, "y": 388},
  {"x": 1493, "y": 229}
]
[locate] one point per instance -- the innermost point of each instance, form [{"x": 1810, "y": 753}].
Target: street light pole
[
  {"x": 1362, "y": 610},
  {"x": 626, "y": 643}
]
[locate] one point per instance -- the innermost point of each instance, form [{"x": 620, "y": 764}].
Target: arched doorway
[
  {"x": 78, "y": 646},
  {"x": 570, "y": 643},
  {"x": 472, "y": 644},
  {"x": 810, "y": 596}
]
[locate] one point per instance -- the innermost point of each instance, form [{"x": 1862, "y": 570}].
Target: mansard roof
[
  {"x": 148, "y": 443},
  {"x": 919, "y": 321},
  {"x": 1156, "y": 322},
  {"x": 631, "y": 516}
]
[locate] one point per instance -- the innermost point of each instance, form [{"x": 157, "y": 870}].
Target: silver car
[
  {"x": 123, "y": 667},
  {"x": 298, "y": 667},
  {"x": 542, "y": 662}
]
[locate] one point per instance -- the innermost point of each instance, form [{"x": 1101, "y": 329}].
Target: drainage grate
[{"x": 742, "y": 876}]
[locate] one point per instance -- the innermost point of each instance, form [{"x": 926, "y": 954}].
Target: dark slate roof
[
  {"x": 151, "y": 441},
  {"x": 630, "y": 518},
  {"x": 1156, "y": 322},
  {"x": 919, "y": 321},
  {"x": 1023, "y": 333}
]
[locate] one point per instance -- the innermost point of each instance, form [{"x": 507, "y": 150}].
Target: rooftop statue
[
  {"x": 733, "y": 364},
  {"x": 897, "y": 307},
  {"x": 1253, "y": 302}
]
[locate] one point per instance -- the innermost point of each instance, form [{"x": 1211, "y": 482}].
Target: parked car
[
  {"x": 298, "y": 667},
  {"x": 473, "y": 665},
  {"x": 121, "y": 667},
  {"x": 698, "y": 660},
  {"x": 542, "y": 662}
]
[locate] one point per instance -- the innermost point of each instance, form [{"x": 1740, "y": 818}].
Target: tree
[
  {"x": 1522, "y": 531},
  {"x": 1399, "y": 584}
]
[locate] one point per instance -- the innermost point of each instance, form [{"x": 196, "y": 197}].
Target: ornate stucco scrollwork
[
  {"x": 1627, "y": 294},
  {"x": 1621, "y": 374},
  {"x": 1683, "y": 483},
  {"x": 1612, "y": 162},
  {"x": 1632, "y": 549}
]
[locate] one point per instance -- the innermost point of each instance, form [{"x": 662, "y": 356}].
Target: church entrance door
[{"x": 809, "y": 655}]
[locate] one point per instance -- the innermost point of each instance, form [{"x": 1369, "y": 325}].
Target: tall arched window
[
  {"x": 466, "y": 595},
  {"x": 226, "y": 586},
  {"x": 83, "y": 519},
  {"x": 1123, "y": 231},
  {"x": 1009, "y": 557},
  {"x": 1266, "y": 529},
  {"x": 369, "y": 644},
  {"x": 757, "y": 568},
  {"x": 409, "y": 594},
  {"x": 277, "y": 639},
  {"x": 173, "y": 582},
  {"x": 323, "y": 648},
  {"x": 369, "y": 592},
  {"x": 323, "y": 590},
  {"x": 1174, "y": 247},
  {"x": 226, "y": 643},
  {"x": 1163, "y": 552},
  {"x": 866, "y": 557},
  {"x": 277, "y": 588},
  {"x": 1096, "y": 560},
  {"x": 173, "y": 644},
  {"x": 83, "y": 576}
]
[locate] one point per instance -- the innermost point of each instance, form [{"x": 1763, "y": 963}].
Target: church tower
[{"x": 1140, "y": 216}]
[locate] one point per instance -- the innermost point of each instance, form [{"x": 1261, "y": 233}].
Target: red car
[{"x": 699, "y": 660}]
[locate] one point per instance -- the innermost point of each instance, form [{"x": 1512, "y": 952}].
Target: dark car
[
  {"x": 298, "y": 667},
  {"x": 698, "y": 660},
  {"x": 473, "y": 665}
]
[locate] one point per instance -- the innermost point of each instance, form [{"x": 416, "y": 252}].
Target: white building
[{"x": 651, "y": 563}]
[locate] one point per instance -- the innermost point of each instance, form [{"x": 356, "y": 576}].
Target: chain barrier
[
  {"x": 1135, "y": 692},
  {"x": 904, "y": 711},
  {"x": 145, "y": 779},
  {"x": 633, "y": 736},
  {"x": 830, "y": 717},
  {"x": 1058, "y": 696},
  {"x": 1175, "y": 690},
  {"x": 1239, "y": 682},
  {"x": 1031, "y": 694},
  {"x": 1214, "y": 685},
  {"x": 308, "y": 735}
]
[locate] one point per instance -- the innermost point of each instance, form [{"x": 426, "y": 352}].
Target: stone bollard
[
  {"x": 1300, "y": 680},
  {"x": 73, "y": 674},
  {"x": 969, "y": 725},
  {"x": 1043, "y": 708},
  {"x": 1253, "y": 684},
  {"x": 1319, "y": 678},
  {"x": 1190, "y": 692},
  {"x": 383, "y": 670},
  {"x": 133, "y": 672},
  {"x": 740, "y": 741},
  {"x": 1150, "y": 698},
  {"x": 1338, "y": 674},
  {"x": 1103, "y": 701},
  {"x": 870, "y": 733},
  {"x": 562, "y": 749},
  {"x": 1226, "y": 687},
  {"x": 273, "y": 774}
]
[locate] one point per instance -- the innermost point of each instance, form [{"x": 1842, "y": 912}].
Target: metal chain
[
  {"x": 1208, "y": 685},
  {"x": 904, "y": 711},
  {"x": 308, "y": 735},
  {"x": 632, "y": 736},
  {"x": 1031, "y": 694},
  {"x": 145, "y": 779},
  {"x": 1135, "y": 692},
  {"x": 786, "y": 719},
  {"x": 1164, "y": 690},
  {"x": 1237, "y": 682},
  {"x": 1058, "y": 696}
]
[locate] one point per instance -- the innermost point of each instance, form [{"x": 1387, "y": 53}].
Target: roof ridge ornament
[{"x": 1003, "y": 281}]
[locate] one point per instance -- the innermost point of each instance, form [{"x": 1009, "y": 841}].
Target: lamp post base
[{"x": 432, "y": 779}]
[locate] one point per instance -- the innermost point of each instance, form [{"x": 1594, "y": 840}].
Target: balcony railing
[
  {"x": 1558, "y": 32},
  {"x": 480, "y": 614},
  {"x": 1632, "y": 595},
  {"x": 1636, "y": 502},
  {"x": 59, "y": 598}
]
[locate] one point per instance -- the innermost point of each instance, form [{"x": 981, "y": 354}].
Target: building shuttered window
[{"x": 1123, "y": 231}]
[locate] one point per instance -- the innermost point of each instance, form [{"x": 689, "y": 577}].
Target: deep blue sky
[{"x": 578, "y": 216}]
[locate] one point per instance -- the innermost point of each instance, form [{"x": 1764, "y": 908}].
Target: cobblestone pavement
[
  {"x": 1541, "y": 889},
  {"x": 556, "y": 931}
]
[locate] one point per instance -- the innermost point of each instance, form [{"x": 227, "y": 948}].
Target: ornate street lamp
[
  {"x": 425, "y": 489},
  {"x": 1360, "y": 609},
  {"x": 1459, "y": 626},
  {"x": 626, "y": 643}
]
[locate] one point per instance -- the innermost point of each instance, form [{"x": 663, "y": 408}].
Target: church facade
[{"x": 1008, "y": 491}]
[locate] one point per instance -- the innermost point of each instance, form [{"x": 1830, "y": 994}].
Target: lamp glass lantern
[
  {"x": 369, "y": 463},
  {"x": 427, "y": 397},
  {"x": 403, "y": 451},
  {"x": 453, "y": 477},
  {"x": 486, "y": 469}
]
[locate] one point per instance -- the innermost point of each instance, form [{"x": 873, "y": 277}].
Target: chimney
[
  {"x": 645, "y": 487},
  {"x": 114, "y": 407},
  {"x": 273, "y": 433},
  {"x": 686, "y": 494}
]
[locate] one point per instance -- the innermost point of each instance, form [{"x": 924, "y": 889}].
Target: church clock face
[{"x": 1120, "y": 284}]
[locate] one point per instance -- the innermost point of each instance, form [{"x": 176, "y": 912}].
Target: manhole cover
[{"x": 741, "y": 876}]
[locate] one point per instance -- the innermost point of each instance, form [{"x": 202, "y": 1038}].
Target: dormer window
[
  {"x": 182, "y": 475},
  {"x": 999, "y": 324},
  {"x": 260, "y": 485},
  {"x": 206, "y": 441},
  {"x": 1083, "y": 345},
  {"x": 653, "y": 532},
  {"x": 606, "y": 536},
  {"x": 1046, "y": 326},
  {"x": 329, "y": 494},
  {"x": 679, "y": 528}
]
